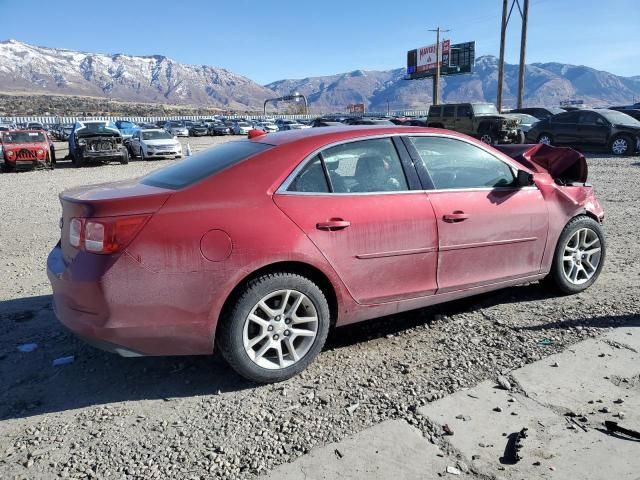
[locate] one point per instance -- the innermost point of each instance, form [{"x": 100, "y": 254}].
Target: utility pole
[
  {"x": 523, "y": 47},
  {"x": 503, "y": 32},
  {"x": 436, "y": 79},
  {"x": 524, "y": 14}
]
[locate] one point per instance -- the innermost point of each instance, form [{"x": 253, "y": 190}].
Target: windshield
[
  {"x": 485, "y": 108},
  {"x": 22, "y": 137},
  {"x": 243, "y": 124},
  {"x": 619, "y": 118},
  {"x": 556, "y": 110},
  {"x": 98, "y": 127},
  {"x": 156, "y": 135},
  {"x": 526, "y": 119}
]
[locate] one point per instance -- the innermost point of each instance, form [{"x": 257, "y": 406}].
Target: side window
[
  {"x": 569, "y": 117},
  {"x": 365, "y": 166},
  {"x": 435, "y": 110},
  {"x": 464, "y": 111},
  {"x": 311, "y": 179},
  {"x": 454, "y": 164},
  {"x": 448, "y": 111},
  {"x": 588, "y": 118}
]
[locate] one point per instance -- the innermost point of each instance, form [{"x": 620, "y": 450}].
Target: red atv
[{"x": 26, "y": 150}]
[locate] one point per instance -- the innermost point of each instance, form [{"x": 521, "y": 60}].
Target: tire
[
  {"x": 545, "y": 138},
  {"x": 488, "y": 137},
  {"x": 124, "y": 159},
  {"x": 520, "y": 138},
  {"x": 621, "y": 145},
  {"x": 78, "y": 160},
  {"x": 236, "y": 329},
  {"x": 558, "y": 277}
]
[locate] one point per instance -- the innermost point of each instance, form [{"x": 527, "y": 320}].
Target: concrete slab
[
  {"x": 592, "y": 370},
  {"x": 485, "y": 431},
  {"x": 392, "y": 449},
  {"x": 627, "y": 336},
  {"x": 549, "y": 393}
]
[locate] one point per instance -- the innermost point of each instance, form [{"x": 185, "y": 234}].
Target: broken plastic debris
[
  {"x": 545, "y": 341},
  {"x": 63, "y": 360},
  {"x": 453, "y": 470},
  {"x": 27, "y": 347}
]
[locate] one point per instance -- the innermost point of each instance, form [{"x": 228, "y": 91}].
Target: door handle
[
  {"x": 455, "y": 217},
  {"x": 333, "y": 224}
]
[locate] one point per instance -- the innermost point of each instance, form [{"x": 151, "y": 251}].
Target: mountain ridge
[{"x": 160, "y": 79}]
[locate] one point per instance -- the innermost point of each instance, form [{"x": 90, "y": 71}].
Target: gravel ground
[{"x": 103, "y": 416}]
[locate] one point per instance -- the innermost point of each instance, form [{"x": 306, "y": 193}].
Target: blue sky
[{"x": 274, "y": 39}]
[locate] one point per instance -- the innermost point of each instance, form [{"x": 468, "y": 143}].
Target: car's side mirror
[{"x": 524, "y": 179}]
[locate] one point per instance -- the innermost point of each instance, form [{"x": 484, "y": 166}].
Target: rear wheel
[
  {"x": 545, "y": 138},
  {"x": 621, "y": 145},
  {"x": 579, "y": 256},
  {"x": 276, "y": 327}
]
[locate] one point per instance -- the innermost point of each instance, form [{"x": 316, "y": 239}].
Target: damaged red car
[
  {"x": 259, "y": 247},
  {"x": 26, "y": 150}
]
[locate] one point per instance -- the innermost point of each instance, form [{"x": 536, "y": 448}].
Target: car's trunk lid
[{"x": 111, "y": 199}]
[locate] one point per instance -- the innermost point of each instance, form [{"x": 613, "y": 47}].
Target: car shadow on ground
[{"x": 33, "y": 385}]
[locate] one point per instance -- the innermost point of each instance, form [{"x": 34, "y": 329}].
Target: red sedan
[{"x": 258, "y": 247}]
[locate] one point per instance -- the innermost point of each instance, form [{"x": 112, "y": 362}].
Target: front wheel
[
  {"x": 621, "y": 145},
  {"x": 488, "y": 138},
  {"x": 124, "y": 156},
  {"x": 579, "y": 256},
  {"x": 545, "y": 138},
  {"x": 277, "y": 326}
]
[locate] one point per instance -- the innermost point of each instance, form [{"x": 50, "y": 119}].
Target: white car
[
  {"x": 177, "y": 129},
  {"x": 154, "y": 143},
  {"x": 292, "y": 125},
  {"x": 241, "y": 128},
  {"x": 268, "y": 127}
]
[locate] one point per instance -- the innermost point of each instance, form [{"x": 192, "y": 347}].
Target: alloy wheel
[
  {"x": 544, "y": 139},
  {"x": 581, "y": 256},
  {"x": 620, "y": 146},
  {"x": 280, "y": 329},
  {"x": 486, "y": 138}
]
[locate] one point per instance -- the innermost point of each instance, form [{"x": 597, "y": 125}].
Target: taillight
[
  {"x": 105, "y": 235},
  {"x": 75, "y": 232}
]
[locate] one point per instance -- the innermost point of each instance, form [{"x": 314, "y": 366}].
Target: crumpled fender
[{"x": 565, "y": 165}]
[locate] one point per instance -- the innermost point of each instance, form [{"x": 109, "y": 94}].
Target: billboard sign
[
  {"x": 456, "y": 58},
  {"x": 427, "y": 57},
  {"x": 355, "y": 108}
]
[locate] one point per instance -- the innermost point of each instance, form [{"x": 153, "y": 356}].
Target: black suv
[{"x": 618, "y": 132}]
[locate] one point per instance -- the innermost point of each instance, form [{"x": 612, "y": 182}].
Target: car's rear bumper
[{"x": 119, "y": 318}]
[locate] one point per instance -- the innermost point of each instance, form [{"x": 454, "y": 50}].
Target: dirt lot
[{"x": 104, "y": 416}]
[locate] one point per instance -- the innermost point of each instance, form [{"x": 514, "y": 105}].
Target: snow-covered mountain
[
  {"x": 31, "y": 69},
  {"x": 27, "y": 68},
  {"x": 545, "y": 84}
]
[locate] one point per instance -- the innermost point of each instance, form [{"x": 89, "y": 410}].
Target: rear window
[{"x": 203, "y": 164}]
